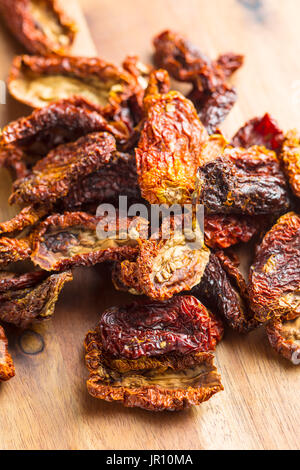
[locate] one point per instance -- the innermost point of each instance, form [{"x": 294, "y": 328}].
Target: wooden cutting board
[{"x": 46, "y": 406}]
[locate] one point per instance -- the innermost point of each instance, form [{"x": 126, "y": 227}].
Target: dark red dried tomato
[
  {"x": 223, "y": 231},
  {"x": 13, "y": 281},
  {"x": 241, "y": 181},
  {"x": 181, "y": 325},
  {"x": 7, "y": 368},
  {"x": 260, "y": 131},
  {"x": 274, "y": 281},
  {"x": 290, "y": 158},
  {"x": 225, "y": 295},
  {"x": 55, "y": 175},
  {"x": 166, "y": 382},
  {"x": 31, "y": 298},
  {"x": 40, "y": 25}
]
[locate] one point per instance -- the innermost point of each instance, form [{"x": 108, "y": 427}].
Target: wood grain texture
[{"x": 47, "y": 406}]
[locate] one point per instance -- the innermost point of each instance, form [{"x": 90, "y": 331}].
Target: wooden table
[{"x": 46, "y": 406}]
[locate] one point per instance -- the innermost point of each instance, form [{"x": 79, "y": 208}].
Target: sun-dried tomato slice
[
  {"x": 31, "y": 302},
  {"x": 40, "y": 25},
  {"x": 181, "y": 325},
  {"x": 169, "y": 147},
  {"x": 72, "y": 239},
  {"x": 262, "y": 131},
  {"x": 60, "y": 122},
  {"x": 223, "y": 231},
  {"x": 167, "y": 382},
  {"x": 225, "y": 295},
  {"x": 284, "y": 337},
  {"x": 274, "y": 283},
  {"x": 168, "y": 263},
  {"x": 54, "y": 175},
  {"x": 38, "y": 81},
  {"x": 13, "y": 281},
  {"x": 290, "y": 158},
  {"x": 243, "y": 181},
  {"x": 117, "y": 178},
  {"x": 7, "y": 368}
]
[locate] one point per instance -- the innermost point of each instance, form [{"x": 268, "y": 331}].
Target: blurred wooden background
[{"x": 46, "y": 406}]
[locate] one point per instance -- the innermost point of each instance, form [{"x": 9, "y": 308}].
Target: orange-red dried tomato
[{"x": 7, "y": 368}]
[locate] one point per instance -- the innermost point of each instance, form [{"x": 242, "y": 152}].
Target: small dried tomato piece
[
  {"x": 241, "y": 181},
  {"x": 7, "y": 368},
  {"x": 64, "y": 241},
  {"x": 290, "y": 158},
  {"x": 181, "y": 325},
  {"x": 262, "y": 131},
  {"x": 54, "y": 175},
  {"x": 166, "y": 264},
  {"x": 169, "y": 147},
  {"x": 274, "y": 282},
  {"x": 230, "y": 63},
  {"x": 22, "y": 306},
  {"x": 166, "y": 382},
  {"x": 40, "y": 25},
  {"x": 284, "y": 337},
  {"x": 13, "y": 281},
  {"x": 223, "y": 231},
  {"x": 226, "y": 298}
]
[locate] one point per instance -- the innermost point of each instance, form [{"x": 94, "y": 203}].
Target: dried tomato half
[
  {"x": 166, "y": 383},
  {"x": 14, "y": 160},
  {"x": 60, "y": 122},
  {"x": 38, "y": 81},
  {"x": 284, "y": 337},
  {"x": 150, "y": 355},
  {"x": 26, "y": 302},
  {"x": 262, "y": 131},
  {"x": 166, "y": 264},
  {"x": 64, "y": 241},
  {"x": 40, "y": 25},
  {"x": 7, "y": 368},
  {"x": 168, "y": 151},
  {"x": 274, "y": 282},
  {"x": 181, "y": 325},
  {"x": 243, "y": 181},
  {"x": 225, "y": 295},
  {"x": 290, "y": 158},
  {"x": 54, "y": 175}
]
